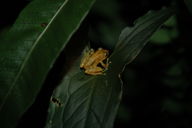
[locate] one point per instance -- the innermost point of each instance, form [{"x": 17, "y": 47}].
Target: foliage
[
  {"x": 43, "y": 51},
  {"x": 30, "y": 49},
  {"x": 92, "y": 101}
]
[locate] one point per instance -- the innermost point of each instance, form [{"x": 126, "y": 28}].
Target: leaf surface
[
  {"x": 85, "y": 101},
  {"x": 30, "y": 48}
]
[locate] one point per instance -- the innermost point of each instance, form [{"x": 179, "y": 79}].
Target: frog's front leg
[{"x": 105, "y": 65}]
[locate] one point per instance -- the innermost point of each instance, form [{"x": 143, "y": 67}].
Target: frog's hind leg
[
  {"x": 94, "y": 71},
  {"x": 105, "y": 65},
  {"x": 87, "y": 53}
]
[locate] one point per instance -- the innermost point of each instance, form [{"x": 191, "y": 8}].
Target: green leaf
[
  {"x": 167, "y": 33},
  {"x": 85, "y": 101},
  {"x": 171, "y": 22},
  {"x": 133, "y": 39},
  {"x": 161, "y": 37},
  {"x": 38, "y": 36},
  {"x": 189, "y": 5}
]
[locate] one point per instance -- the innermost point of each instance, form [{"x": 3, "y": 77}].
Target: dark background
[{"x": 158, "y": 83}]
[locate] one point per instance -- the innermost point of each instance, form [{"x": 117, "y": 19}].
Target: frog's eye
[{"x": 91, "y": 51}]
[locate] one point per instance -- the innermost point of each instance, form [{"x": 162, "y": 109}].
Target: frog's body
[{"x": 92, "y": 59}]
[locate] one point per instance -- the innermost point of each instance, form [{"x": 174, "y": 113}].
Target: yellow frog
[{"x": 91, "y": 60}]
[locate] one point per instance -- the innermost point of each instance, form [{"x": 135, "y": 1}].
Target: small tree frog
[{"x": 93, "y": 61}]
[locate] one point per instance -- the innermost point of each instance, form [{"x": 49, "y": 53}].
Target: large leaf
[
  {"x": 133, "y": 39},
  {"x": 84, "y": 101},
  {"x": 31, "y": 47}
]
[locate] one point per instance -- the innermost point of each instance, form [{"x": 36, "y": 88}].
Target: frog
[{"x": 93, "y": 61}]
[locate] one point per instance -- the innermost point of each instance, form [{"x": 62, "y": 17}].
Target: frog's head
[{"x": 103, "y": 52}]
